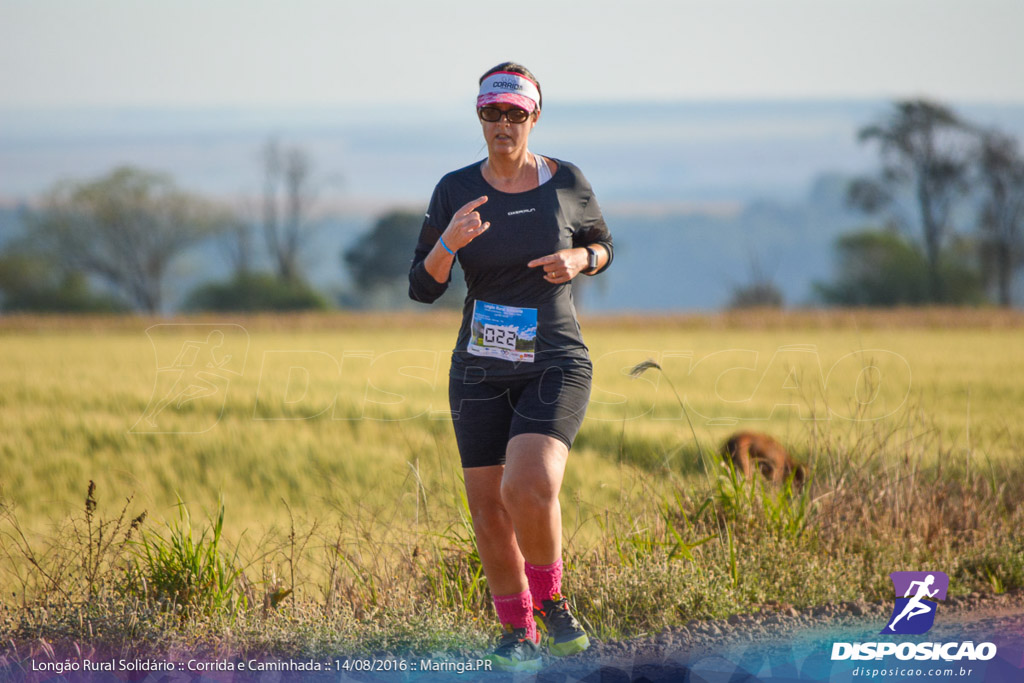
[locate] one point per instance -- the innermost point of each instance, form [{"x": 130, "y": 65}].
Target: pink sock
[
  {"x": 545, "y": 581},
  {"x": 517, "y": 611}
]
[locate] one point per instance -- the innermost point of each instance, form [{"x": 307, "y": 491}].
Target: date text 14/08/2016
[{"x": 415, "y": 665}]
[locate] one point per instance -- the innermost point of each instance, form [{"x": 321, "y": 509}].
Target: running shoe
[
  {"x": 516, "y": 652},
  {"x": 562, "y": 633}
]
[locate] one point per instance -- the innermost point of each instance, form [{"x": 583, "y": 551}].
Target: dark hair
[{"x": 516, "y": 68}]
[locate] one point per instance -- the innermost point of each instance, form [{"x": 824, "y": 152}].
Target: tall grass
[
  {"x": 726, "y": 546},
  {"x": 186, "y": 573},
  {"x": 85, "y": 558}
]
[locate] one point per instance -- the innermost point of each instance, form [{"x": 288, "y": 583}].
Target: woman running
[{"x": 522, "y": 226}]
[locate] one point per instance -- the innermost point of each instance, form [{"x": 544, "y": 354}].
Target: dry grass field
[{"x": 325, "y": 411}]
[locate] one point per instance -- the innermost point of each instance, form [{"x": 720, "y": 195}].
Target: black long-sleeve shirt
[{"x": 560, "y": 214}]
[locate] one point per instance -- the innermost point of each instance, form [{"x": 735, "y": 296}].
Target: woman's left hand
[{"x": 561, "y": 266}]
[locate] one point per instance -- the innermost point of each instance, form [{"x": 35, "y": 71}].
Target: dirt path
[
  {"x": 786, "y": 644},
  {"x": 774, "y": 645}
]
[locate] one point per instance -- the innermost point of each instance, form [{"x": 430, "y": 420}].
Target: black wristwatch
[{"x": 591, "y": 261}]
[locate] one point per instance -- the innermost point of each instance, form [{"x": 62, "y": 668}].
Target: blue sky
[{"x": 209, "y": 53}]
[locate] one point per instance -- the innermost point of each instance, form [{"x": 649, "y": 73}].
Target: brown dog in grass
[{"x": 752, "y": 452}]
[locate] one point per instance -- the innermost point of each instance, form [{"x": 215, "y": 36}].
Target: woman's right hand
[{"x": 465, "y": 225}]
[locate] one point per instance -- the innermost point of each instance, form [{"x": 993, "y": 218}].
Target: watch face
[{"x": 591, "y": 259}]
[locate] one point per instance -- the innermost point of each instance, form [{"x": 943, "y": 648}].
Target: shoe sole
[{"x": 569, "y": 647}]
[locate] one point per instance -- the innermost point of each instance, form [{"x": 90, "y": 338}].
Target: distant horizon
[
  {"x": 16, "y": 120},
  {"x": 698, "y": 184},
  {"x": 680, "y": 153}
]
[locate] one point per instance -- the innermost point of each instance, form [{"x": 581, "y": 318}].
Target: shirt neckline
[{"x": 480, "y": 171}]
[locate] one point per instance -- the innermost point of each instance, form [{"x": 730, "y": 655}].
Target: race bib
[{"x": 504, "y": 332}]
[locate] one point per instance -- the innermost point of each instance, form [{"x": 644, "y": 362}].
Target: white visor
[{"x": 513, "y": 88}]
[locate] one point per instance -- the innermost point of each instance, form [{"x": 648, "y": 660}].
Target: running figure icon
[
  {"x": 916, "y": 606},
  {"x": 917, "y": 601},
  {"x": 193, "y": 374}
]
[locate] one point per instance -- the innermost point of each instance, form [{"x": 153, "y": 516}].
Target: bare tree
[
  {"x": 125, "y": 228},
  {"x": 925, "y": 148},
  {"x": 286, "y": 230},
  {"x": 759, "y": 292},
  {"x": 238, "y": 247},
  {"x": 1001, "y": 179}
]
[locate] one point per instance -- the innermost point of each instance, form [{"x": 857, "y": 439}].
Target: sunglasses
[{"x": 493, "y": 114}]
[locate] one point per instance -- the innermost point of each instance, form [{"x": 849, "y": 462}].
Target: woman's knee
[
  {"x": 522, "y": 492},
  {"x": 490, "y": 520},
  {"x": 483, "y": 495},
  {"x": 533, "y": 471}
]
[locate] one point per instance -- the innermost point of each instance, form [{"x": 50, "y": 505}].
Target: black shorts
[{"x": 488, "y": 411}]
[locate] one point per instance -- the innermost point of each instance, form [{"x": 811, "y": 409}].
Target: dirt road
[{"x": 783, "y": 644}]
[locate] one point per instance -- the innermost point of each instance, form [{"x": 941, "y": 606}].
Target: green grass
[
  {"x": 329, "y": 448},
  {"x": 182, "y": 572}
]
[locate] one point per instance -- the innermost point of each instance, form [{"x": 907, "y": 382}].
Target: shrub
[
  {"x": 882, "y": 268},
  {"x": 255, "y": 292},
  {"x": 188, "y": 573},
  {"x": 29, "y": 283}
]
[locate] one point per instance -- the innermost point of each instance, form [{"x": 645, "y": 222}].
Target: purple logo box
[
  {"x": 917, "y": 596},
  {"x": 901, "y": 582}
]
